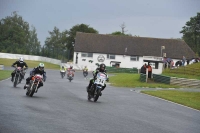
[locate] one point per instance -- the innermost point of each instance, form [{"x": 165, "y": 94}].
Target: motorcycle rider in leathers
[
  {"x": 37, "y": 70},
  {"x": 102, "y": 69},
  {"x": 19, "y": 63}
]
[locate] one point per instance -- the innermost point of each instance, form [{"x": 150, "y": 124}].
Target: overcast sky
[{"x": 146, "y": 18}]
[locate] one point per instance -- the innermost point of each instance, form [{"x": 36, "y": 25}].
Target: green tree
[
  {"x": 14, "y": 34},
  {"x": 33, "y": 47},
  {"x": 120, "y": 33},
  {"x": 191, "y": 33},
  {"x": 72, "y": 35},
  {"x": 55, "y": 45}
]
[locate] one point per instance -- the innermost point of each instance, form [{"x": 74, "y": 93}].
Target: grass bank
[
  {"x": 30, "y": 63},
  {"x": 191, "y": 71},
  {"x": 190, "y": 99},
  {"x": 132, "y": 80},
  {"x": 5, "y": 74}
]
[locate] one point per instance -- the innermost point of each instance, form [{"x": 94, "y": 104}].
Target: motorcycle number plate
[{"x": 100, "y": 81}]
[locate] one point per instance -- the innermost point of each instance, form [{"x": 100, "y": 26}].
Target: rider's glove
[{"x": 107, "y": 80}]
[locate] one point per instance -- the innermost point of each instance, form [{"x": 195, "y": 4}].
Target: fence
[
  {"x": 192, "y": 83},
  {"x": 121, "y": 70},
  {"x": 142, "y": 77}
]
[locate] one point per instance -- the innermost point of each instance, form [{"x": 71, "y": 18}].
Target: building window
[
  {"x": 134, "y": 58},
  {"x": 86, "y": 54},
  {"x": 110, "y": 56}
]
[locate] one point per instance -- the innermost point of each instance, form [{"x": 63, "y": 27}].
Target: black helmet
[{"x": 102, "y": 67}]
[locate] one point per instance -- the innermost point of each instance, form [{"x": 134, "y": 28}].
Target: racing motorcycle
[
  {"x": 62, "y": 72},
  {"x": 70, "y": 75},
  {"x": 85, "y": 73},
  {"x": 18, "y": 76},
  {"x": 33, "y": 85},
  {"x": 95, "y": 90}
]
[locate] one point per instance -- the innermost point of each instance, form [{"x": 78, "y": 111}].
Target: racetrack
[{"x": 61, "y": 106}]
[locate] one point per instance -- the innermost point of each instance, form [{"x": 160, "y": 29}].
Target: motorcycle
[
  {"x": 70, "y": 76},
  {"x": 85, "y": 73},
  {"x": 17, "y": 77},
  {"x": 33, "y": 85},
  {"x": 95, "y": 90},
  {"x": 62, "y": 72}
]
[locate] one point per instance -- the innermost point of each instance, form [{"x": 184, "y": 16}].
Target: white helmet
[
  {"x": 41, "y": 66},
  {"x": 21, "y": 60}
]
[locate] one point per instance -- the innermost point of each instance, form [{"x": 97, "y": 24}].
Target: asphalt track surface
[{"x": 61, "y": 106}]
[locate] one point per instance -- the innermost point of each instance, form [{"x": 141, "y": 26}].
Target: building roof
[{"x": 132, "y": 46}]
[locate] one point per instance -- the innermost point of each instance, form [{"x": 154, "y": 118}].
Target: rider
[
  {"x": 62, "y": 69},
  {"x": 70, "y": 69},
  {"x": 36, "y": 70},
  {"x": 102, "y": 69},
  {"x": 19, "y": 63},
  {"x": 85, "y": 70}
]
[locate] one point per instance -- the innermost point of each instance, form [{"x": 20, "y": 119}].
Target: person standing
[
  {"x": 143, "y": 69},
  {"x": 149, "y": 70}
]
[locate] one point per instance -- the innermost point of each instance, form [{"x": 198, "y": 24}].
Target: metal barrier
[
  {"x": 161, "y": 78},
  {"x": 142, "y": 77}
]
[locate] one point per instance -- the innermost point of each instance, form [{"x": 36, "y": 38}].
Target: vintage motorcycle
[
  {"x": 85, "y": 73},
  {"x": 18, "y": 76},
  {"x": 70, "y": 75},
  {"x": 33, "y": 85},
  {"x": 62, "y": 73},
  {"x": 95, "y": 90}
]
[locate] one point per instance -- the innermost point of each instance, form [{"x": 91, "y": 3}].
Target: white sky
[{"x": 146, "y": 18}]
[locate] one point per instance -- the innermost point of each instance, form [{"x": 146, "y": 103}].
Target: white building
[{"x": 126, "y": 51}]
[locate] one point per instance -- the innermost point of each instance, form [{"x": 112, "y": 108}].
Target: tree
[
  {"x": 120, "y": 33},
  {"x": 33, "y": 47},
  {"x": 14, "y": 34},
  {"x": 191, "y": 33},
  {"x": 72, "y": 34},
  {"x": 55, "y": 45}
]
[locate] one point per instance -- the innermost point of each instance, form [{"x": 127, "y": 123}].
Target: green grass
[
  {"x": 5, "y": 74},
  {"x": 132, "y": 80},
  {"x": 31, "y": 64},
  {"x": 189, "y": 71},
  {"x": 190, "y": 99}
]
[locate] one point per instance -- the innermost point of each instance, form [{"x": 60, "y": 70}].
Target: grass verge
[
  {"x": 190, "y": 99},
  {"x": 132, "y": 80},
  {"x": 179, "y": 75},
  {"x": 30, "y": 63},
  {"x": 4, "y": 74}
]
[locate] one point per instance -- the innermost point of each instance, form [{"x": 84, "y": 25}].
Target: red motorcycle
[{"x": 33, "y": 85}]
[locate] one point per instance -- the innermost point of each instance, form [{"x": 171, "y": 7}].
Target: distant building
[{"x": 125, "y": 51}]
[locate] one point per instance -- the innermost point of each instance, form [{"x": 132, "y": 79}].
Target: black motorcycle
[
  {"x": 18, "y": 76},
  {"x": 95, "y": 90}
]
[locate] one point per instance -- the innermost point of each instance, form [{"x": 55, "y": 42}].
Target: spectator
[
  {"x": 178, "y": 63},
  {"x": 149, "y": 70},
  {"x": 171, "y": 64},
  {"x": 143, "y": 69}
]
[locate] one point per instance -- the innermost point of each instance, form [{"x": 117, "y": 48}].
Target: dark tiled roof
[{"x": 140, "y": 46}]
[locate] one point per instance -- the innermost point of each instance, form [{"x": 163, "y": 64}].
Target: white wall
[
  {"x": 29, "y": 57},
  {"x": 125, "y": 62}
]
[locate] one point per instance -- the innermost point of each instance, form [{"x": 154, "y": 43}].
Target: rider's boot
[{"x": 26, "y": 85}]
